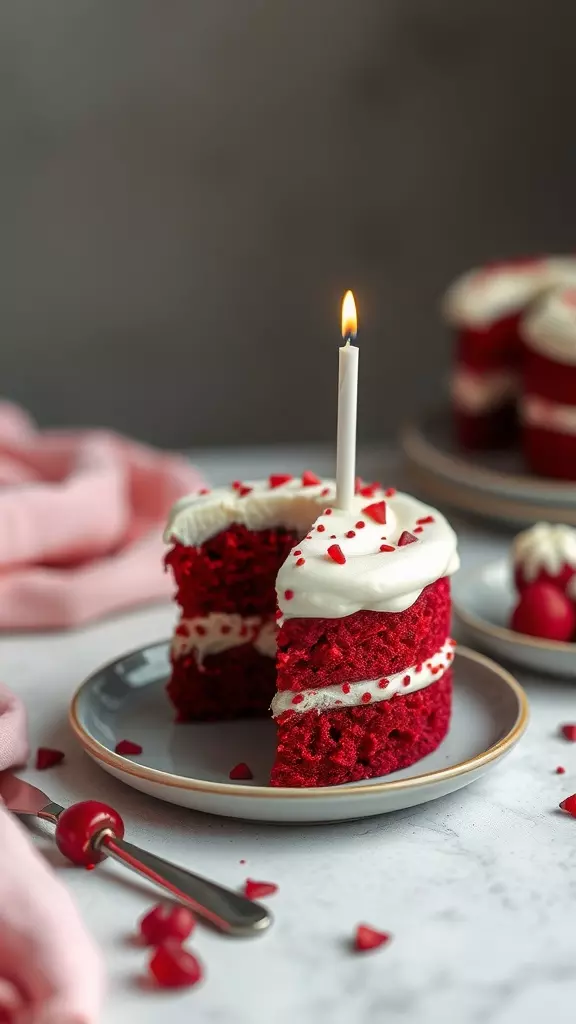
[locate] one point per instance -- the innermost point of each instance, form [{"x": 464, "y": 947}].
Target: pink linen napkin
[
  {"x": 50, "y": 970},
  {"x": 81, "y": 518}
]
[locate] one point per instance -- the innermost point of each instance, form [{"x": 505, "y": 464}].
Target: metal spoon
[{"x": 227, "y": 910}]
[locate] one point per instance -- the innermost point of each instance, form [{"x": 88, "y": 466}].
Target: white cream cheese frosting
[
  {"x": 549, "y": 328},
  {"x": 346, "y": 561},
  {"x": 222, "y": 631},
  {"x": 481, "y": 296},
  {"x": 536, "y": 411},
  {"x": 545, "y": 547},
  {"x": 368, "y": 691}
]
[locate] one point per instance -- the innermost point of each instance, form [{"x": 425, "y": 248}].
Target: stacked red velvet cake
[
  {"x": 339, "y": 620},
  {"x": 485, "y": 308}
]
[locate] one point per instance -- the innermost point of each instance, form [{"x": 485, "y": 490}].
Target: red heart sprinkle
[
  {"x": 569, "y": 732},
  {"x": 46, "y": 757},
  {"x": 255, "y": 890},
  {"x": 309, "y": 479},
  {"x": 336, "y": 554},
  {"x": 368, "y": 938},
  {"x": 277, "y": 479},
  {"x": 569, "y": 805},
  {"x": 167, "y": 921},
  {"x": 127, "y": 747},
  {"x": 172, "y": 966},
  {"x": 240, "y": 772},
  {"x": 376, "y": 511},
  {"x": 406, "y": 538}
]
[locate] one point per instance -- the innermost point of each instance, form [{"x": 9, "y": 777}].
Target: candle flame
[{"x": 349, "y": 320}]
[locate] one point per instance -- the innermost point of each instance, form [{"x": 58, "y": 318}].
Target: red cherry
[
  {"x": 166, "y": 921},
  {"x": 174, "y": 967},
  {"x": 544, "y": 611},
  {"x": 79, "y": 824}
]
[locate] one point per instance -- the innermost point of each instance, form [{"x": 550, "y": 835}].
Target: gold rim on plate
[{"x": 101, "y": 753}]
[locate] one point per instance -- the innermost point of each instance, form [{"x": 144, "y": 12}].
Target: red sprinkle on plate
[
  {"x": 167, "y": 921},
  {"x": 569, "y": 805},
  {"x": 240, "y": 772},
  {"x": 569, "y": 732},
  {"x": 126, "y": 747}
]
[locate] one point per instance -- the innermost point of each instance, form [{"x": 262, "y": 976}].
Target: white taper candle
[{"x": 347, "y": 405}]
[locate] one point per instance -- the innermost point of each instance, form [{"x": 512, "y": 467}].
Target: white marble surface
[{"x": 478, "y": 888}]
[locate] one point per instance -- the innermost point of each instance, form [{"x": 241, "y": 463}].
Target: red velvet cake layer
[
  {"x": 494, "y": 429},
  {"x": 494, "y": 347},
  {"x": 238, "y": 683},
  {"x": 363, "y": 742},
  {"x": 235, "y": 571},
  {"x": 320, "y": 652},
  {"x": 554, "y": 381}
]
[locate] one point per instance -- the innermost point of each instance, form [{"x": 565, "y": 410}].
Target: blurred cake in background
[
  {"x": 544, "y": 566},
  {"x": 547, "y": 403},
  {"x": 484, "y": 307}
]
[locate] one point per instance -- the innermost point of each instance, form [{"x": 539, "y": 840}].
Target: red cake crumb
[
  {"x": 386, "y": 547},
  {"x": 309, "y": 478},
  {"x": 406, "y": 538},
  {"x": 257, "y": 890},
  {"x": 560, "y": 770},
  {"x": 366, "y": 645},
  {"x": 390, "y": 492},
  {"x": 569, "y": 805},
  {"x": 126, "y": 747},
  {"x": 243, "y": 491},
  {"x": 425, "y": 519},
  {"x": 367, "y": 938},
  {"x": 46, "y": 757},
  {"x": 363, "y": 742},
  {"x": 240, "y": 772},
  {"x": 569, "y": 732},
  {"x": 166, "y": 921},
  {"x": 288, "y": 595},
  {"x": 172, "y": 966}
]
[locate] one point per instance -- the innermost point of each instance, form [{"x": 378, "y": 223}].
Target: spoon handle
[{"x": 224, "y": 908}]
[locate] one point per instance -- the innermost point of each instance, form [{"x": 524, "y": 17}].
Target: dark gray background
[{"x": 189, "y": 186}]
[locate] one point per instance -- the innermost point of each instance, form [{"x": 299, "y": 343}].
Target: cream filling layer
[
  {"x": 536, "y": 411},
  {"x": 368, "y": 691},
  {"x": 476, "y": 393},
  {"x": 221, "y": 631}
]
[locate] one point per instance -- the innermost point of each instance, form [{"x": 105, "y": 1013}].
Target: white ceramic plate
[
  {"x": 189, "y": 764},
  {"x": 483, "y": 600},
  {"x": 491, "y": 484}
]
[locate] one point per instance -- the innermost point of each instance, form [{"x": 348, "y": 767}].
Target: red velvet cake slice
[
  {"x": 363, "y": 671},
  {"x": 364, "y": 655},
  {"x": 484, "y": 307}
]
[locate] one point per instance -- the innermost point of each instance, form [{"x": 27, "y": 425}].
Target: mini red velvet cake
[
  {"x": 484, "y": 307},
  {"x": 548, "y": 400},
  {"x": 359, "y": 674},
  {"x": 544, "y": 563}
]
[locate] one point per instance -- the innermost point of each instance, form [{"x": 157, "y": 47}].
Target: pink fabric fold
[
  {"x": 50, "y": 970},
  {"x": 81, "y": 518}
]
